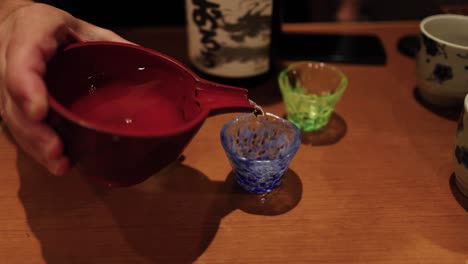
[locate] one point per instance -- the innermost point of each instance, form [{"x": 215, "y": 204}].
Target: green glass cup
[{"x": 310, "y": 93}]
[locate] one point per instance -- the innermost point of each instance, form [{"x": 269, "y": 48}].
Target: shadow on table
[
  {"x": 279, "y": 201},
  {"x": 409, "y": 45},
  {"x": 170, "y": 218},
  {"x": 450, "y": 113},
  {"x": 333, "y": 132},
  {"x": 447, "y": 229}
]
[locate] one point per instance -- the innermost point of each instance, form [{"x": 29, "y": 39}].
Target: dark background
[{"x": 172, "y": 12}]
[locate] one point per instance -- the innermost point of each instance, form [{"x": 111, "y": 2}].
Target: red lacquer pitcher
[{"x": 124, "y": 111}]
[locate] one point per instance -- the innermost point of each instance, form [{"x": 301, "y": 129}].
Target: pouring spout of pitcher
[{"x": 220, "y": 98}]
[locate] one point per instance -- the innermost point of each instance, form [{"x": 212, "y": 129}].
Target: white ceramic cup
[
  {"x": 442, "y": 60},
  {"x": 461, "y": 150}
]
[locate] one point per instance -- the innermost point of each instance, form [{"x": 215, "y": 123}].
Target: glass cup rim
[
  {"x": 333, "y": 96},
  {"x": 295, "y": 144}
]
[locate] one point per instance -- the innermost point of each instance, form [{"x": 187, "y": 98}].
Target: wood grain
[{"x": 381, "y": 193}]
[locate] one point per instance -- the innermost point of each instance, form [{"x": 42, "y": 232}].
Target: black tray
[{"x": 339, "y": 48}]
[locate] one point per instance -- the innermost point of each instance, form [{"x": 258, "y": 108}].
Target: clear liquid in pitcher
[{"x": 132, "y": 103}]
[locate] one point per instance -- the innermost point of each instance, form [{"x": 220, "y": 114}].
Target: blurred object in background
[
  {"x": 324, "y": 11},
  {"x": 348, "y": 10},
  {"x": 140, "y": 12},
  {"x": 125, "y": 13},
  {"x": 366, "y": 10},
  {"x": 459, "y": 9}
]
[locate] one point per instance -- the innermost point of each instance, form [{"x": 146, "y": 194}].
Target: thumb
[{"x": 89, "y": 32}]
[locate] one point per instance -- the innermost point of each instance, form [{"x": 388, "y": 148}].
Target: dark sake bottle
[{"x": 233, "y": 41}]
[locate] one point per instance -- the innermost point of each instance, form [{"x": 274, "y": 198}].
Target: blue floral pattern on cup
[
  {"x": 442, "y": 73},
  {"x": 460, "y": 125},
  {"x": 442, "y": 60},
  {"x": 260, "y": 149},
  {"x": 461, "y": 154},
  {"x": 432, "y": 47},
  {"x": 463, "y": 56}
]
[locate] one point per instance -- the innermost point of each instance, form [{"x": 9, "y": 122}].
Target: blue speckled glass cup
[{"x": 260, "y": 149}]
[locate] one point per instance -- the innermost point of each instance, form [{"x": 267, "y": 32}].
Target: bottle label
[{"x": 229, "y": 38}]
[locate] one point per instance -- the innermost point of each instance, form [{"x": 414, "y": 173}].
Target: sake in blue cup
[{"x": 260, "y": 149}]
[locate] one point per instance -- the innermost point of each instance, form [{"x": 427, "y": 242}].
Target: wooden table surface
[{"x": 376, "y": 186}]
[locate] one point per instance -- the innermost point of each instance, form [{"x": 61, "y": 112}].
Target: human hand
[{"x": 30, "y": 35}]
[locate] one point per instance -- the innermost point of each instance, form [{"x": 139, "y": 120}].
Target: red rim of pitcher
[{"x": 54, "y": 104}]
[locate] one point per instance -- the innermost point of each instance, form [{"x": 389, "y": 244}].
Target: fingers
[
  {"x": 26, "y": 86},
  {"x": 36, "y": 34},
  {"x": 32, "y": 41},
  {"x": 90, "y": 32},
  {"x": 37, "y": 139}
]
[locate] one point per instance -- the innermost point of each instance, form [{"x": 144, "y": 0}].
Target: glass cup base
[{"x": 305, "y": 123}]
